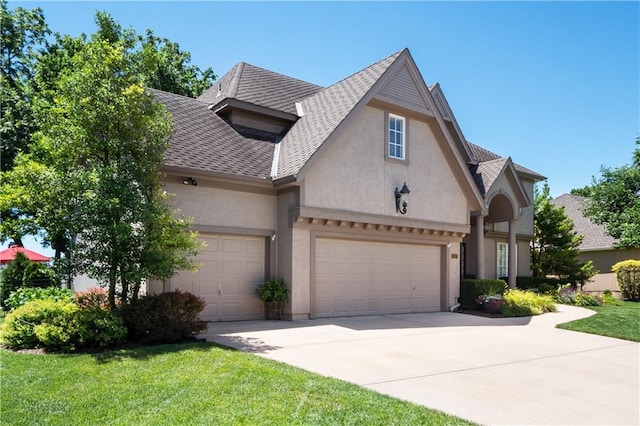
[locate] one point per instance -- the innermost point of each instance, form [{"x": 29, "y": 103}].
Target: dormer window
[{"x": 397, "y": 131}]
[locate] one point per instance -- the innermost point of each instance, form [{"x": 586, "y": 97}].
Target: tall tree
[
  {"x": 106, "y": 136},
  {"x": 614, "y": 201},
  {"x": 156, "y": 62},
  {"x": 554, "y": 248},
  {"x": 22, "y": 32}
]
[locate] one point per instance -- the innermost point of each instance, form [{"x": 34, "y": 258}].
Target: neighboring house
[
  {"x": 9, "y": 254},
  {"x": 284, "y": 178},
  {"x": 597, "y": 245}
]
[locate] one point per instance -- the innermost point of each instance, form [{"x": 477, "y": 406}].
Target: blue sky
[{"x": 554, "y": 85}]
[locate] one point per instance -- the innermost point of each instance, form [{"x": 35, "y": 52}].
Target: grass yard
[
  {"x": 622, "y": 322},
  {"x": 195, "y": 383}
]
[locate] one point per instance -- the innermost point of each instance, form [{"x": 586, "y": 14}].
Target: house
[
  {"x": 597, "y": 245},
  {"x": 364, "y": 195}
]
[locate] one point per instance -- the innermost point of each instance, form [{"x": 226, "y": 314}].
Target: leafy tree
[
  {"x": 554, "y": 248},
  {"x": 59, "y": 182},
  {"x": 614, "y": 201},
  {"x": 103, "y": 140},
  {"x": 22, "y": 32}
]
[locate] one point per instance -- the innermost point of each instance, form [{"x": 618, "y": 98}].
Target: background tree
[
  {"x": 614, "y": 201},
  {"x": 22, "y": 32},
  {"x": 554, "y": 248}
]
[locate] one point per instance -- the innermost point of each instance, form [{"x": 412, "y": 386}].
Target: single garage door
[
  {"x": 367, "y": 278},
  {"x": 231, "y": 268}
]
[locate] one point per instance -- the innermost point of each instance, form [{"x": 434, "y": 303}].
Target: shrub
[
  {"x": 164, "y": 318},
  {"x": 39, "y": 275},
  {"x": 527, "y": 283},
  {"x": 12, "y": 276},
  {"x": 521, "y": 303},
  {"x": 273, "y": 290},
  {"x": 27, "y": 294},
  {"x": 586, "y": 299},
  {"x": 471, "y": 289},
  {"x": 609, "y": 299},
  {"x": 19, "y": 327},
  {"x": 95, "y": 297},
  {"x": 99, "y": 328},
  {"x": 628, "y": 276},
  {"x": 61, "y": 326}
]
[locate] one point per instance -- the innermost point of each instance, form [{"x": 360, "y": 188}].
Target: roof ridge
[
  {"x": 280, "y": 74},
  {"x": 393, "y": 56},
  {"x": 176, "y": 95}
]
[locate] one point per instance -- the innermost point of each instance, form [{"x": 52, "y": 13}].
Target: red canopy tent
[{"x": 7, "y": 255}]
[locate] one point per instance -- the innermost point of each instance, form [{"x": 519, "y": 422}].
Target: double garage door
[
  {"x": 367, "y": 278},
  {"x": 351, "y": 278},
  {"x": 231, "y": 267}
]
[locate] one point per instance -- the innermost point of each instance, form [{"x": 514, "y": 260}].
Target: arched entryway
[{"x": 500, "y": 208}]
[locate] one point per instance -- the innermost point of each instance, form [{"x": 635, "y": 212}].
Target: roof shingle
[
  {"x": 201, "y": 140},
  {"x": 595, "y": 236},
  {"x": 323, "y": 112},
  {"x": 261, "y": 87}
]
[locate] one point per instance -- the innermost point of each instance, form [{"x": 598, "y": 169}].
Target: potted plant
[
  {"x": 491, "y": 303},
  {"x": 275, "y": 294}
]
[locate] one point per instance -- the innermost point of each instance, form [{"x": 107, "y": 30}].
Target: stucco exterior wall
[
  {"x": 223, "y": 207},
  {"x": 355, "y": 175}
]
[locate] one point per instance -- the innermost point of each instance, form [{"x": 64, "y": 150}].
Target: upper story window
[{"x": 397, "y": 132}]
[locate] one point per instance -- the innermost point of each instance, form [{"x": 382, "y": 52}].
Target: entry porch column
[
  {"x": 512, "y": 267},
  {"x": 480, "y": 267}
]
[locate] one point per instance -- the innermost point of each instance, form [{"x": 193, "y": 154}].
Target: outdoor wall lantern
[
  {"x": 402, "y": 199},
  {"x": 190, "y": 181}
]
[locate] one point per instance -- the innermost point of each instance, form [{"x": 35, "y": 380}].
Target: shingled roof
[
  {"x": 258, "y": 86},
  {"x": 595, "y": 236},
  {"x": 203, "y": 141},
  {"x": 481, "y": 155},
  {"x": 486, "y": 173},
  {"x": 323, "y": 112}
]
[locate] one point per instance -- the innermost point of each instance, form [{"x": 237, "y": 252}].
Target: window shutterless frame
[{"x": 396, "y": 137}]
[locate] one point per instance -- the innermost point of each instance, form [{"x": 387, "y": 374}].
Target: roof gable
[
  {"x": 404, "y": 89},
  {"x": 322, "y": 113},
  {"x": 487, "y": 174},
  {"x": 482, "y": 155}
]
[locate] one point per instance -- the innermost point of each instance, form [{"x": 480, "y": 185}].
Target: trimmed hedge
[
  {"x": 470, "y": 289},
  {"x": 628, "y": 276},
  {"x": 527, "y": 283}
]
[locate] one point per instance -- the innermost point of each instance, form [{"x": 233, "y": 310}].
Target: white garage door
[
  {"x": 231, "y": 268},
  {"x": 365, "y": 278}
]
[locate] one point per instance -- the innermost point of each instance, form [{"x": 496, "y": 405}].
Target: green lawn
[
  {"x": 195, "y": 383},
  {"x": 622, "y": 322}
]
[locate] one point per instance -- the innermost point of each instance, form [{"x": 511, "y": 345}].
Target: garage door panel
[
  {"x": 231, "y": 269},
  {"x": 361, "y": 278}
]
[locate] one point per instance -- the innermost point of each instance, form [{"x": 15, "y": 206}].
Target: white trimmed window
[
  {"x": 502, "y": 257},
  {"x": 397, "y": 133}
]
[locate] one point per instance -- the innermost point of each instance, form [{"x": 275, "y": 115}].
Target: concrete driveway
[{"x": 489, "y": 370}]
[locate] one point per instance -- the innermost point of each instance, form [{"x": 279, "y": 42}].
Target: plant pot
[
  {"x": 492, "y": 306},
  {"x": 273, "y": 310}
]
